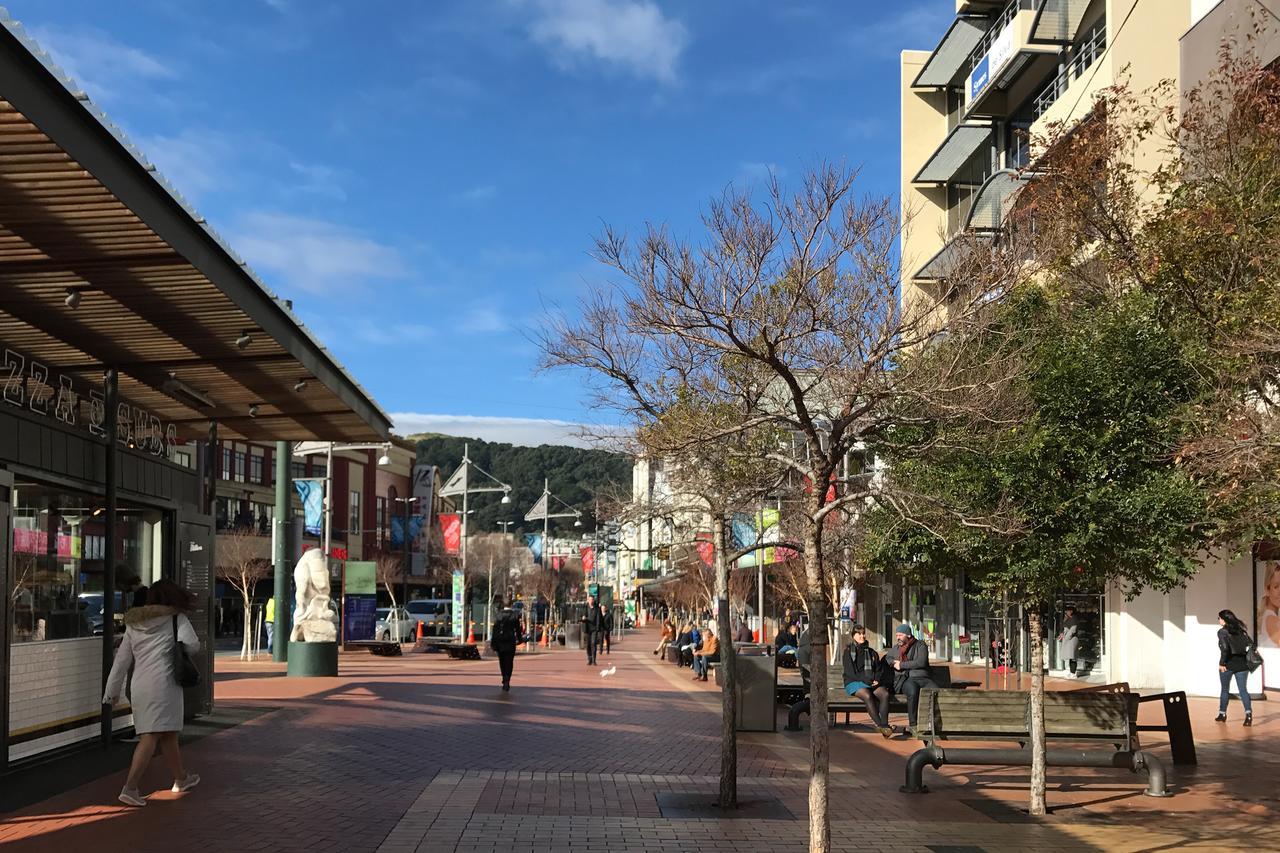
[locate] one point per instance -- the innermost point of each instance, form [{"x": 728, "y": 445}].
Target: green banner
[
  {"x": 361, "y": 578},
  {"x": 459, "y": 587}
]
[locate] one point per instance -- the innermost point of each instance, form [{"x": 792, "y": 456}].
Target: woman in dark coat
[
  {"x": 864, "y": 677},
  {"x": 1234, "y": 643}
]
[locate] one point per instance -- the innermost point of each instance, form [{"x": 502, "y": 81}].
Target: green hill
[{"x": 577, "y": 477}]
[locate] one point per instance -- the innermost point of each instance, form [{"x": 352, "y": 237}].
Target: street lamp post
[
  {"x": 459, "y": 483},
  {"x": 488, "y": 605},
  {"x": 407, "y": 563},
  {"x": 542, "y": 510}
]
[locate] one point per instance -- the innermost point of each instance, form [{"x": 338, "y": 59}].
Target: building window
[
  {"x": 263, "y": 514},
  {"x": 239, "y": 469},
  {"x": 318, "y": 470},
  {"x": 380, "y": 510},
  {"x": 256, "y": 469},
  {"x": 56, "y": 573},
  {"x": 355, "y": 523},
  {"x": 226, "y": 463},
  {"x": 299, "y": 470}
]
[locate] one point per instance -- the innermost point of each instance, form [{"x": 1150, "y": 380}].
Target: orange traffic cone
[
  {"x": 422, "y": 630},
  {"x": 546, "y": 636},
  {"x": 471, "y": 632}
]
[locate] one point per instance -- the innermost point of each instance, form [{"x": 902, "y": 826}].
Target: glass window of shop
[
  {"x": 57, "y": 563},
  {"x": 256, "y": 469}
]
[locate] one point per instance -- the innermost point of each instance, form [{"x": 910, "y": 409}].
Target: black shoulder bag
[{"x": 184, "y": 671}]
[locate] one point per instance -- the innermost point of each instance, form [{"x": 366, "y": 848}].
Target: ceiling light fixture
[
  {"x": 300, "y": 385},
  {"x": 73, "y": 298},
  {"x": 253, "y": 410},
  {"x": 385, "y": 458},
  {"x": 244, "y": 340}
]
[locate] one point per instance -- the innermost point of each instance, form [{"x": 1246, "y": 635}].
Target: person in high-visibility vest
[{"x": 271, "y": 622}]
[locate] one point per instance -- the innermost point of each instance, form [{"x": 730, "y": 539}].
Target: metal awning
[
  {"x": 992, "y": 202},
  {"x": 961, "y": 144},
  {"x": 194, "y": 334},
  {"x": 1058, "y": 21},
  {"x": 941, "y": 265},
  {"x": 949, "y": 61}
]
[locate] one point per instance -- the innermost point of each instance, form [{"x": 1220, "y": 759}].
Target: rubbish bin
[
  {"x": 757, "y": 692},
  {"x": 573, "y": 635}
]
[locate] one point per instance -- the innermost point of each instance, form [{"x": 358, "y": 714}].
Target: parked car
[
  {"x": 91, "y": 606},
  {"x": 390, "y": 626},
  {"x": 436, "y": 614}
]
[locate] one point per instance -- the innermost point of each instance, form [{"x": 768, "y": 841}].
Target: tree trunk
[
  {"x": 1037, "y": 712},
  {"x": 246, "y": 645},
  {"x": 819, "y": 756},
  {"x": 729, "y": 672}
]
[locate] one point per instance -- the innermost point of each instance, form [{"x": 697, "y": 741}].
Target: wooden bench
[
  {"x": 457, "y": 651},
  {"x": 1177, "y": 719},
  {"x": 387, "y": 648},
  {"x": 1104, "y": 721}
]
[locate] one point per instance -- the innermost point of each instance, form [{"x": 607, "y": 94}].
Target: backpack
[{"x": 1238, "y": 644}]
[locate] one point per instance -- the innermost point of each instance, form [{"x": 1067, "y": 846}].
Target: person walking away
[
  {"x": 910, "y": 661},
  {"x": 668, "y": 635},
  {"x": 151, "y": 633},
  {"x": 271, "y": 623},
  {"x": 865, "y": 678},
  {"x": 707, "y": 655},
  {"x": 1069, "y": 639},
  {"x": 1234, "y": 643},
  {"x": 507, "y": 634},
  {"x": 592, "y": 625}
]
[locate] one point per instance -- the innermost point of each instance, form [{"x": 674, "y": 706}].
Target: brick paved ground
[{"x": 424, "y": 754}]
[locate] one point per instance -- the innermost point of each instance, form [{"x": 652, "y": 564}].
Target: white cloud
[
  {"x": 101, "y": 65},
  {"x": 478, "y": 194},
  {"x": 195, "y": 162},
  {"x": 632, "y": 34},
  {"x": 752, "y": 173},
  {"x": 528, "y": 432},
  {"x": 318, "y": 179},
  {"x": 483, "y": 320},
  {"x": 313, "y": 255}
]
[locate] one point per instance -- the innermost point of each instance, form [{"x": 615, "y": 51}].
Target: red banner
[
  {"x": 451, "y": 527},
  {"x": 557, "y": 563},
  {"x": 706, "y": 548},
  {"x": 588, "y": 560}
]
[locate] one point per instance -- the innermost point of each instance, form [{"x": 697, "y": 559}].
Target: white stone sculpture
[{"x": 313, "y": 620}]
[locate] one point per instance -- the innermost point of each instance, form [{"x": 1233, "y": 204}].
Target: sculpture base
[{"x": 313, "y": 659}]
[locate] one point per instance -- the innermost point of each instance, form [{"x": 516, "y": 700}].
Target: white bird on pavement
[{"x": 605, "y": 673}]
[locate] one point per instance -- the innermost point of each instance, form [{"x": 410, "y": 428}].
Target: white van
[{"x": 435, "y": 613}]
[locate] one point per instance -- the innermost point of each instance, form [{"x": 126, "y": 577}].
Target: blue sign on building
[{"x": 980, "y": 77}]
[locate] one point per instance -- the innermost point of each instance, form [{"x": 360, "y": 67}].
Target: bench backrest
[
  {"x": 939, "y": 673},
  {"x": 1001, "y": 714}
]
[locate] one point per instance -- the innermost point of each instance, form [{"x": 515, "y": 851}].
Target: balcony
[
  {"x": 1086, "y": 54},
  {"x": 1004, "y": 57}
]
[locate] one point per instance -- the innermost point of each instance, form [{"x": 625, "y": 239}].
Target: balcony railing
[
  {"x": 997, "y": 26},
  {"x": 1089, "y": 52}
]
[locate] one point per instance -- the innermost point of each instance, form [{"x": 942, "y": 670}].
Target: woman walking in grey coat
[
  {"x": 1069, "y": 639},
  {"x": 148, "y": 647}
]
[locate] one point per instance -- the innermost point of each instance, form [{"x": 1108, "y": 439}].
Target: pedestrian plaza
[{"x": 425, "y": 753}]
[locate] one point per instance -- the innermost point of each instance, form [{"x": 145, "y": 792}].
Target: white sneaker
[
  {"x": 186, "y": 784},
  {"x": 131, "y": 797}
]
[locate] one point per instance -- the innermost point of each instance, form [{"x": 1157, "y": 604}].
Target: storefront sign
[
  {"x": 993, "y": 63},
  {"x": 35, "y": 387},
  {"x": 359, "y": 600}
]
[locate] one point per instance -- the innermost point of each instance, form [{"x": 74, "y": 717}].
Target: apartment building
[{"x": 1003, "y": 73}]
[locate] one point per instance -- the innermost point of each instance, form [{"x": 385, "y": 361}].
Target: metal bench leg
[
  {"x": 793, "y": 715},
  {"x": 1157, "y": 785},
  {"x": 929, "y": 756}
]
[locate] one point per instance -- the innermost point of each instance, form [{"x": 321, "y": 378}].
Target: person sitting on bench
[
  {"x": 708, "y": 654},
  {"x": 785, "y": 643},
  {"x": 668, "y": 635},
  {"x": 689, "y": 642},
  {"x": 866, "y": 677},
  {"x": 910, "y": 661}
]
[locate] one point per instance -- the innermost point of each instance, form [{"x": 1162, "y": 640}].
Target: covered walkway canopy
[{"x": 103, "y": 265}]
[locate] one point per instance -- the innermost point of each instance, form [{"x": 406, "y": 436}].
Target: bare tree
[
  {"x": 240, "y": 566},
  {"x": 783, "y": 322},
  {"x": 390, "y": 572}
]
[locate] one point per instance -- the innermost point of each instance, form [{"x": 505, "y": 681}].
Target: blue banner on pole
[
  {"x": 534, "y": 541},
  {"x": 312, "y": 494},
  {"x": 397, "y": 530}
]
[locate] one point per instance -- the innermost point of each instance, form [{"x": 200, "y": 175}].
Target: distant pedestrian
[
  {"x": 606, "y": 634},
  {"x": 149, "y": 646},
  {"x": 1069, "y": 638},
  {"x": 743, "y": 634},
  {"x": 507, "y": 634},
  {"x": 592, "y": 626},
  {"x": 1234, "y": 643},
  {"x": 271, "y": 623}
]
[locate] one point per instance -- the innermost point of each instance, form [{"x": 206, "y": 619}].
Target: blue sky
[{"x": 424, "y": 179}]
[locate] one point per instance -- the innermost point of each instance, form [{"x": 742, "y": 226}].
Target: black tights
[{"x": 877, "y": 702}]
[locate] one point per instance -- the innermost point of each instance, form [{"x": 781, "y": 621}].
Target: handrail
[
  {"x": 1089, "y": 52},
  {"x": 1004, "y": 19}
]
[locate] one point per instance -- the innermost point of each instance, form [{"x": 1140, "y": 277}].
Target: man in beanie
[{"x": 910, "y": 661}]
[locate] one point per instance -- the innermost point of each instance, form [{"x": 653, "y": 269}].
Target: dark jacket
[
  {"x": 594, "y": 621},
  {"x": 743, "y": 634},
  {"x": 915, "y": 664},
  {"x": 1227, "y": 656},
  {"x": 507, "y": 632},
  {"x": 785, "y": 638},
  {"x": 861, "y": 663}
]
